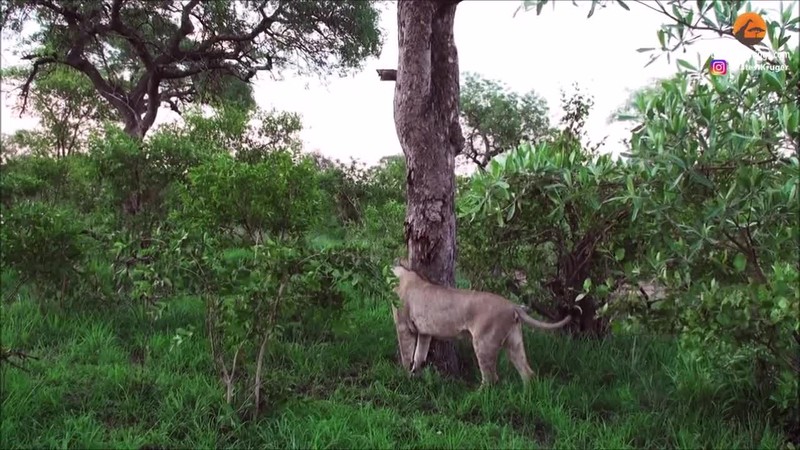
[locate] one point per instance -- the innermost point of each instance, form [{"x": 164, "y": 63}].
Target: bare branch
[
  {"x": 186, "y": 29},
  {"x": 131, "y": 35},
  {"x": 69, "y": 14},
  {"x": 265, "y": 23},
  {"x": 37, "y": 65},
  {"x": 174, "y": 106},
  {"x": 6, "y": 356},
  {"x": 153, "y": 102}
]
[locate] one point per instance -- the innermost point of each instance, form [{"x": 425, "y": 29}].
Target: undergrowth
[{"x": 116, "y": 379}]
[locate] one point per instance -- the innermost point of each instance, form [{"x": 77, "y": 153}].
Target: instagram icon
[{"x": 718, "y": 67}]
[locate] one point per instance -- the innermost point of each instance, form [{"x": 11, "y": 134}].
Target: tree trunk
[
  {"x": 574, "y": 268},
  {"x": 426, "y": 117},
  {"x": 134, "y": 129}
]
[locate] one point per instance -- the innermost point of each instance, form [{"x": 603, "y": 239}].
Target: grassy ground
[{"x": 108, "y": 380}]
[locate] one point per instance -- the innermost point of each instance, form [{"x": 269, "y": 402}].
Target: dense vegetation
[{"x": 212, "y": 285}]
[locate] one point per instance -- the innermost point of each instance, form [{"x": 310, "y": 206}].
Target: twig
[
  {"x": 262, "y": 350},
  {"x": 17, "y": 287},
  {"x": 7, "y": 354}
]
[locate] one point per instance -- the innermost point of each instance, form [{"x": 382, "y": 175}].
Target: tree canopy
[
  {"x": 496, "y": 119},
  {"x": 140, "y": 55},
  {"x": 67, "y": 107}
]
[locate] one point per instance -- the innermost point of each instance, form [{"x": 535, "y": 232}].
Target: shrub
[
  {"x": 277, "y": 197},
  {"x": 42, "y": 243}
]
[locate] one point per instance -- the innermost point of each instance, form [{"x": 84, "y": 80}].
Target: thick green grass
[{"x": 115, "y": 380}]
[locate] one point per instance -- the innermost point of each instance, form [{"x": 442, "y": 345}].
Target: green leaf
[
  {"x": 700, "y": 178},
  {"x": 739, "y": 262},
  {"x": 677, "y": 180},
  {"x": 619, "y": 254},
  {"x": 720, "y": 84},
  {"x": 773, "y": 80},
  {"x": 686, "y": 64},
  {"x": 741, "y": 79},
  {"x": 511, "y": 210},
  {"x": 700, "y": 4},
  {"x": 653, "y": 58},
  {"x": 637, "y": 205}
]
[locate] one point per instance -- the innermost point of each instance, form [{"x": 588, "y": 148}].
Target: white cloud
[{"x": 354, "y": 116}]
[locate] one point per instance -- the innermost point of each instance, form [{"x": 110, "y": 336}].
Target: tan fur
[
  {"x": 430, "y": 310},
  {"x": 406, "y": 337}
]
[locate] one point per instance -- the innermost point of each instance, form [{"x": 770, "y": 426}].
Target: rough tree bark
[{"x": 426, "y": 112}]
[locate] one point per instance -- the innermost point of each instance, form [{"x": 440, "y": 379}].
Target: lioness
[{"x": 430, "y": 310}]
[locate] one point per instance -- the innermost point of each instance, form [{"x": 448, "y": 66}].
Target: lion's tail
[{"x": 533, "y": 323}]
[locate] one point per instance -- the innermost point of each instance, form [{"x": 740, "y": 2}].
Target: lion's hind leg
[
  {"x": 515, "y": 348},
  {"x": 486, "y": 351}
]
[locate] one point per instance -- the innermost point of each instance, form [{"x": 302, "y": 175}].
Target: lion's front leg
[
  {"x": 421, "y": 352},
  {"x": 406, "y": 337}
]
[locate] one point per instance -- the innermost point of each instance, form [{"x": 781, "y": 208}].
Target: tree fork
[{"x": 426, "y": 111}]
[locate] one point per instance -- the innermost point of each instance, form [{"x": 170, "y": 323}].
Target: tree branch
[
  {"x": 174, "y": 106},
  {"x": 229, "y": 40},
  {"x": 262, "y": 26},
  {"x": 69, "y": 14},
  {"x": 132, "y": 36},
  {"x": 663, "y": 10},
  {"x": 26, "y": 87},
  {"x": 153, "y": 102},
  {"x": 186, "y": 29},
  {"x": 7, "y": 354}
]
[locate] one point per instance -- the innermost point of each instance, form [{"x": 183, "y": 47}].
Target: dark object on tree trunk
[
  {"x": 387, "y": 74},
  {"x": 426, "y": 117}
]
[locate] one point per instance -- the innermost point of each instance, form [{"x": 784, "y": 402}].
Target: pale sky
[{"x": 354, "y": 116}]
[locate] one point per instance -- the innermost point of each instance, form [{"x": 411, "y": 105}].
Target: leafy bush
[
  {"x": 277, "y": 197},
  {"x": 547, "y": 223},
  {"x": 706, "y": 205},
  {"x": 42, "y": 243},
  {"x": 718, "y": 193},
  {"x": 138, "y": 176},
  {"x": 244, "y": 251},
  {"x": 32, "y": 178},
  {"x": 353, "y": 187}
]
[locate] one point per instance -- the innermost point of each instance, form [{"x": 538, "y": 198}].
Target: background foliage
[{"x": 211, "y": 284}]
